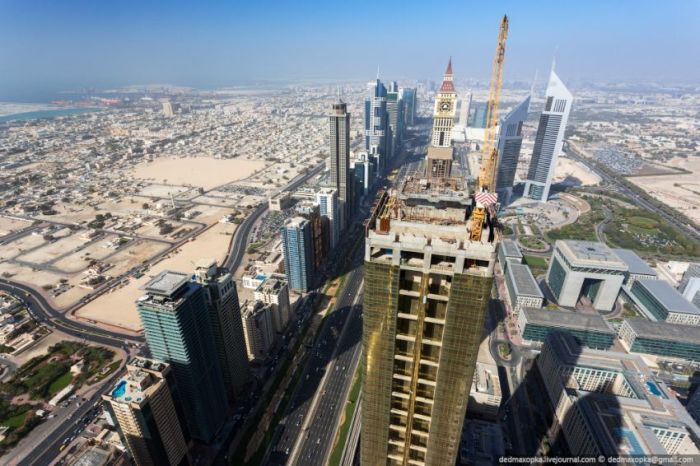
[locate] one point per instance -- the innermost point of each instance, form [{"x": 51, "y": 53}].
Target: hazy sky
[{"x": 60, "y": 44}]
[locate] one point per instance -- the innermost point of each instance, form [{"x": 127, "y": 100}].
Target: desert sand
[
  {"x": 205, "y": 172},
  {"x": 680, "y": 191},
  {"x": 119, "y": 306},
  {"x": 568, "y": 167}
]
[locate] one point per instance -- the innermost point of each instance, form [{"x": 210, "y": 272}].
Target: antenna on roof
[{"x": 554, "y": 57}]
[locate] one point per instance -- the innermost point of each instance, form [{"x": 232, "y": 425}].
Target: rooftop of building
[
  {"x": 166, "y": 283},
  {"x": 295, "y": 222},
  {"x": 635, "y": 264},
  {"x": 665, "y": 331},
  {"x": 253, "y": 307},
  {"x": 523, "y": 281},
  {"x": 141, "y": 380},
  {"x": 667, "y": 296},
  {"x": 624, "y": 423},
  {"x": 510, "y": 248},
  {"x": 272, "y": 284},
  {"x": 590, "y": 254},
  {"x": 567, "y": 320}
]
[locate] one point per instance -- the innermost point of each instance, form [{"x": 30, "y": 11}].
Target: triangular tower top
[{"x": 447, "y": 85}]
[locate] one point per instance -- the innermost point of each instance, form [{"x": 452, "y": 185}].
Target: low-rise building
[
  {"x": 523, "y": 290},
  {"x": 661, "y": 302},
  {"x": 509, "y": 251},
  {"x": 661, "y": 339},
  {"x": 637, "y": 269},
  {"x": 591, "y": 330},
  {"x": 485, "y": 392},
  {"x": 585, "y": 269}
]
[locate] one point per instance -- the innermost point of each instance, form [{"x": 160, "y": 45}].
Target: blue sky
[{"x": 59, "y": 44}]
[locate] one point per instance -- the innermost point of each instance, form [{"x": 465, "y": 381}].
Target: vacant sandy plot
[
  {"x": 134, "y": 254},
  {"x": 35, "y": 278},
  {"x": 567, "y": 167},
  {"x": 163, "y": 190},
  {"x": 119, "y": 306},
  {"x": 11, "y": 225},
  {"x": 205, "y": 172},
  {"x": 53, "y": 250},
  {"x": 18, "y": 246},
  {"x": 681, "y": 192}
]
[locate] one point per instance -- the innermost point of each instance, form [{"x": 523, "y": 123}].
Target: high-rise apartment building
[
  {"x": 259, "y": 329},
  {"x": 341, "y": 177},
  {"x": 407, "y": 95},
  {"x": 311, "y": 211},
  {"x": 480, "y": 115},
  {"x": 225, "y": 317},
  {"x": 549, "y": 139},
  {"x": 329, "y": 209},
  {"x": 176, "y": 323},
  {"x": 298, "y": 248},
  {"x": 611, "y": 404},
  {"x": 144, "y": 410},
  {"x": 464, "y": 108},
  {"x": 510, "y": 140},
  {"x": 377, "y": 125},
  {"x": 275, "y": 291},
  {"x": 394, "y": 109},
  {"x": 427, "y": 285}
]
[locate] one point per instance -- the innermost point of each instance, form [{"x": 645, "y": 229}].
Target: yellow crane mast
[{"x": 486, "y": 183}]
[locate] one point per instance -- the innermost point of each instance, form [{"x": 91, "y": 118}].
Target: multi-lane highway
[
  {"x": 334, "y": 335},
  {"x": 319, "y": 434}
]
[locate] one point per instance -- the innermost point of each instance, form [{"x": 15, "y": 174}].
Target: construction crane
[{"x": 485, "y": 195}]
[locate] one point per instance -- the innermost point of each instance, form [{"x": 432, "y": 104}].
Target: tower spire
[{"x": 448, "y": 71}]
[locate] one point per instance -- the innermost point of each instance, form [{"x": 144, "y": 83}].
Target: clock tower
[
  {"x": 444, "y": 112},
  {"x": 440, "y": 150}
]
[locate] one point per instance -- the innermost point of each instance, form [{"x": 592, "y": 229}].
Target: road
[
  {"x": 636, "y": 199},
  {"x": 321, "y": 357},
  {"x": 329, "y": 403},
  {"x": 42, "y": 312},
  {"x": 240, "y": 240}
]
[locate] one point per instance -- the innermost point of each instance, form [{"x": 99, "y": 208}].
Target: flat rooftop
[
  {"x": 523, "y": 281},
  {"x": 635, "y": 264},
  {"x": 665, "y": 331},
  {"x": 668, "y": 296},
  {"x": 590, "y": 254},
  {"x": 511, "y": 248},
  {"x": 166, "y": 283},
  {"x": 567, "y": 320}
]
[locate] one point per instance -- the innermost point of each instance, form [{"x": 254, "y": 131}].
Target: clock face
[{"x": 445, "y": 106}]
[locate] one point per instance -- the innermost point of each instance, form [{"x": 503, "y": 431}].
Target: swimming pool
[
  {"x": 654, "y": 389},
  {"x": 119, "y": 390}
]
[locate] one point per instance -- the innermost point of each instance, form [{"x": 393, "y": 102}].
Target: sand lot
[
  {"x": 680, "y": 191},
  {"x": 568, "y": 167},
  {"x": 118, "y": 307},
  {"x": 205, "y": 172},
  {"x": 11, "y": 225}
]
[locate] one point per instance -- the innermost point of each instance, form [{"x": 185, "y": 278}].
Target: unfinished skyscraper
[
  {"x": 426, "y": 289},
  {"x": 427, "y": 285}
]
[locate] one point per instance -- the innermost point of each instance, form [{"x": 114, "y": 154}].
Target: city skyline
[{"x": 87, "y": 45}]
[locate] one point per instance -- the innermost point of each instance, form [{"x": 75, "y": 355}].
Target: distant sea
[{"x": 47, "y": 114}]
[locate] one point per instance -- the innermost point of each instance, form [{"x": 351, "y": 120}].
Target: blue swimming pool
[
  {"x": 120, "y": 389},
  {"x": 654, "y": 389},
  {"x": 635, "y": 448}
]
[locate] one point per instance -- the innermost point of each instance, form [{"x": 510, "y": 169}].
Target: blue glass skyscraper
[
  {"x": 175, "y": 318},
  {"x": 377, "y": 125},
  {"x": 298, "y": 253}
]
